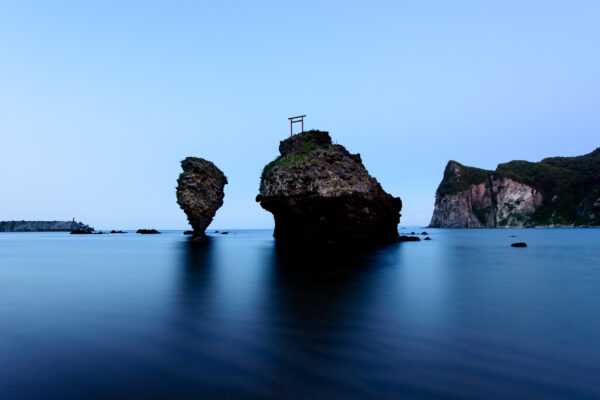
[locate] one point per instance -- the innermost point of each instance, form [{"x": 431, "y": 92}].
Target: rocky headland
[
  {"x": 557, "y": 191},
  {"x": 318, "y": 191},
  {"x": 44, "y": 226},
  {"x": 200, "y": 193}
]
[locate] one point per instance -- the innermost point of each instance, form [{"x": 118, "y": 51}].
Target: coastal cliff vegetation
[{"x": 557, "y": 191}]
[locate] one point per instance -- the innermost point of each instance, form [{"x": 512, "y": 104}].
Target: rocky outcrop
[
  {"x": 519, "y": 244},
  {"x": 405, "y": 238},
  {"x": 44, "y": 226},
  {"x": 200, "y": 192},
  {"x": 496, "y": 201},
  {"x": 318, "y": 191},
  {"x": 147, "y": 231},
  {"x": 560, "y": 191}
]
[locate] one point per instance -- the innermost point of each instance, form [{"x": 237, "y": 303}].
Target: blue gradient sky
[{"x": 99, "y": 102}]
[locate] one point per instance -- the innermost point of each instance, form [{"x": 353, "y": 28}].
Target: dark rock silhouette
[
  {"x": 80, "y": 228},
  {"x": 318, "y": 191},
  {"x": 81, "y": 232},
  {"x": 147, "y": 231},
  {"x": 200, "y": 193},
  {"x": 519, "y": 244},
  {"x": 405, "y": 238}
]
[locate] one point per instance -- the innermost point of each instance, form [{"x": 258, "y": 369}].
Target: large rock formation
[
  {"x": 559, "y": 191},
  {"x": 200, "y": 192},
  {"x": 318, "y": 191},
  {"x": 44, "y": 226}
]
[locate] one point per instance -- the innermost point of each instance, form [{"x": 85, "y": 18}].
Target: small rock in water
[
  {"x": 77, "y": 228},
  {"x": 188, "y": 232},
  {"x": 80, "y": 232},
  {"x": 412, "y": 233},
  {"x": 224, "y": 233},
  {"x": 519, "y": 244},
  {"x": 147, "y": 231},
  {"x": 113, "y": 231},
  {"x": 424, "y": 233},
  {"x": 405, "y": 238},
  {"x": 427, "y": 238}
]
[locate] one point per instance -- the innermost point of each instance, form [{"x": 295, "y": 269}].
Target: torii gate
[{"x": 293, "y": 120}]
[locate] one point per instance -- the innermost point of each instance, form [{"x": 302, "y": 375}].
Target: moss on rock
[
  {"x": 200, "y": 192},
  {"x": 317, "y": 190}
]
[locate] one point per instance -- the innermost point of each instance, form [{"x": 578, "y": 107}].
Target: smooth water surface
[{"x": 152, "y": 316}]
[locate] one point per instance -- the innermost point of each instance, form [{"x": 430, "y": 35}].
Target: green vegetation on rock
[
  {"x": 295, "y": 148},
  {"x": 458, "y": 178},
  {"x": 319, "y": 191},
  {"x": 569, "y": 186},
  {"x": 563, "y": 191},
  {"x": 200, "y": 192}
]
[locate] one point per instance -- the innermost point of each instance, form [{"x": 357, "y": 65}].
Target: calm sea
[{"x": 151, "y": 316}]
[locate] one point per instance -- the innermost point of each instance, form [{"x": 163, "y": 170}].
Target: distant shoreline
[{"x": 43, "y": 226}]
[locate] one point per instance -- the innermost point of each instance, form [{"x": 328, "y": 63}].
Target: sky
[{"x": 100, "y": 101}]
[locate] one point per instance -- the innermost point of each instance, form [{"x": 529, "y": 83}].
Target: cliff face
[
  {"x": 200, "y": 192},
  {"x": 43, "y": 226},
  {"x": 560, "y": 191},
  {"x": 320, "y": 192}
]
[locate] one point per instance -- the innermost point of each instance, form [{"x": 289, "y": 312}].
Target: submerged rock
[
  {"x": 318, "y": 191},
  {"x": 200, "y": 192}
]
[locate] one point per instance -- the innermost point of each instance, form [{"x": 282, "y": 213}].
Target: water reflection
[
  {"x": 416, "y": 320},
  {"x": 197, "y": 267},
  {"x": 323, "y": 306},
  {"x": 303, "y": 321},
  {"x": 463, "y": 315}
]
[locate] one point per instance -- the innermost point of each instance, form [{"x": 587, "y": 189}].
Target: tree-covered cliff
[{"x": 557, "y": 191}]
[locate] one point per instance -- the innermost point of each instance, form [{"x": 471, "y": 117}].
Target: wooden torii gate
[{"x": 293, "y": 120}]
